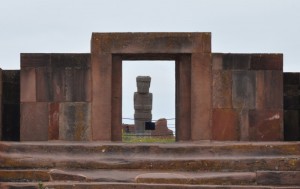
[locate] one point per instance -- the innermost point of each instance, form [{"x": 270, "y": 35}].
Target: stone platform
[{"x": 178, "y": 165}]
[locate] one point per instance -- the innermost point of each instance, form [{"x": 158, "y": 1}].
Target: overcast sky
[{"x": 237, "y": 26}]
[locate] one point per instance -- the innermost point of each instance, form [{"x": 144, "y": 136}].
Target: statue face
[{"x": 143, "y": 84}]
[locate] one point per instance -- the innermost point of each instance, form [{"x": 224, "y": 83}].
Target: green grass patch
[{"x": 129, "y": 138}]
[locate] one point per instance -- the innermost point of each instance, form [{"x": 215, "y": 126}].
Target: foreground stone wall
[
  {"x": 291, "y": 106},
  {"x": 247, "y": 97},
  {"x": 55, "y": 97}
]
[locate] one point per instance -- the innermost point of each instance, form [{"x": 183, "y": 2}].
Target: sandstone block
[
  {"x": 53, "y": 129},
  {"x": 35, "y": 60},
  {"x": 265, "y": 125},
  {"x": 28, "y": 85},
  {"x": 217, "y": 61},
  {"x": 71, "y": 60},
  {"x": 222, "y": 89},
  {"x": 75, "y": 121},
  {"x": 44, "y": 92},
  {"x": 291, "y": 125},
  {"x": 236, "y": 61},
  {"x": 243, "y": 89},
  {"x": 267, "y": 62},
  {"x": 143, "y": 84},
  {"x": 34, "y": 121},
  {"x": 225, "y": 125},
  {"x": 143, "y": 101},
  {"x": 291, "y": 78}
]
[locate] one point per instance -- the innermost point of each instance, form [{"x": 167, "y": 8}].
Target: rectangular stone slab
[
  {"x": 75, "y": 121},
  {"x": 291, "y": 125},
  {"x": 236, "y": 61},
  {"x": 222, "y": 89},
  {"x": 266, "y": 62},
  {"x": 34, "y": 121},
  {"x": 35, "y": 60}
]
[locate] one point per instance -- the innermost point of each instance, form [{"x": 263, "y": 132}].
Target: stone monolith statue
[{"x": 142, "y": 103}]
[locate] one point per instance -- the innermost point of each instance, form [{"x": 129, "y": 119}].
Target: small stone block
[
  {"x": 225, "y": 125},
  {"x": 236, "y": 61},
  {"x": 283, "y": 178},
  {"x": 34, "y": 121},
  {"x": 267, "y": 62},
  {"x": 265, "y": 125}
]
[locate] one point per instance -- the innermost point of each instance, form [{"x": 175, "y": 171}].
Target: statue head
[{"x": 143, "y": 84}]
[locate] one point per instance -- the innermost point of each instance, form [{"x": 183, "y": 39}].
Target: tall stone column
[{"x": 142, "y": 104}]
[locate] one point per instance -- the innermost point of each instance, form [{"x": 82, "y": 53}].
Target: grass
[{"x": 146, "y": 139}]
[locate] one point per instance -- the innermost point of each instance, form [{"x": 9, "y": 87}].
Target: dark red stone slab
[
  {"x": 243, "y": 89},
  {"x": 80, "y": 61},
  {"x": 44, "y": 92},
  {"x": 273, "y": 89},
  {"x": 53, "y": 129},
  {"x": 75, "y": 121},
  {"x": 265, "y": 125},
  {"x": 236, "y": 61},
  {"x": 267, "y": 62},
  {"x": 225, "y": 125},
  {"x": 34, "y": 121},
  {"x": 244, "y": 124},
  {"x": 59, "y": 84},
  {"x": 35, "y": 60},
  {"x": 222, "y": 89},
  {"x": 291, "y": 125},
  {"x": 28, "y": 84}
]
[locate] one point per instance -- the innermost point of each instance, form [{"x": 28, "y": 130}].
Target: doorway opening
[{"x": 163, "y": 110}]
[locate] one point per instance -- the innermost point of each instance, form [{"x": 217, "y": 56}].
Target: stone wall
[
  {"x": 10, "y": 94},
  {"x": 55, "y": 97},
  {"x": 247, "y": 97},
  {"x": 291, "y": 106}
]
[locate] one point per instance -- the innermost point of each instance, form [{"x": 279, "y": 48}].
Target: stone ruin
[
  {"x": 142, "y": 104},
  {"x": 219, "y": 96}
]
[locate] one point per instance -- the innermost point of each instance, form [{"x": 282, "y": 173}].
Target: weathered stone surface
[
  {"x": 151, "y": 42},
  {"x": 291, "y": 125},
  {"x": 34, "y": 60},
  {"x": 217, "y": 61},
  {"x": 28, "y": 85},
  {"x": 291, "y": 178},
  {"x": 44, "y": 88},
  {"x": 201, "y": 96},
  {"x": 183, "y": 99},
  {"x": 236, "y": 61},
  {"x": 265, "y": 125},
  {"x": 291, "y": 103},
  {"x": 244, "y": 124},
  {"x": 273, "y": 89},
  {"x": 24, "y": 176},
  {"x": 53, "y": 129},
  {"x": 75, "y": 121},
  {"x": 267, "y": 61},
  {"x": 116, "y": 134},
  {"x": 291, "y": 78},
  {"x": 59, "y": 84},
  {"x": 222, "y": 89},
  {"x": 34, "y": 121},
  {"x": 101, "y": 97},
  {"x": 291, "y": 90},
  {"x": 11, "y": 122},
  {"x": 225, "y": 125},
  {"x": 70, "y": 60},
  {"x": 243, "y": 89},
  {"x": 59, "y": 175}
]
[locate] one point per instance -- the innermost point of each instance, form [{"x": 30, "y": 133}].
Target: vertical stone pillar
[{"x": 142, "y": 103}]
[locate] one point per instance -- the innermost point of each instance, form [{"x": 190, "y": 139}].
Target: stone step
[
  {"x": 180, "y": 149},
  {"x": 116, "y": 185},
  {"x": 279, "y": 178},
  {"x": 151, "y": 162}
]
